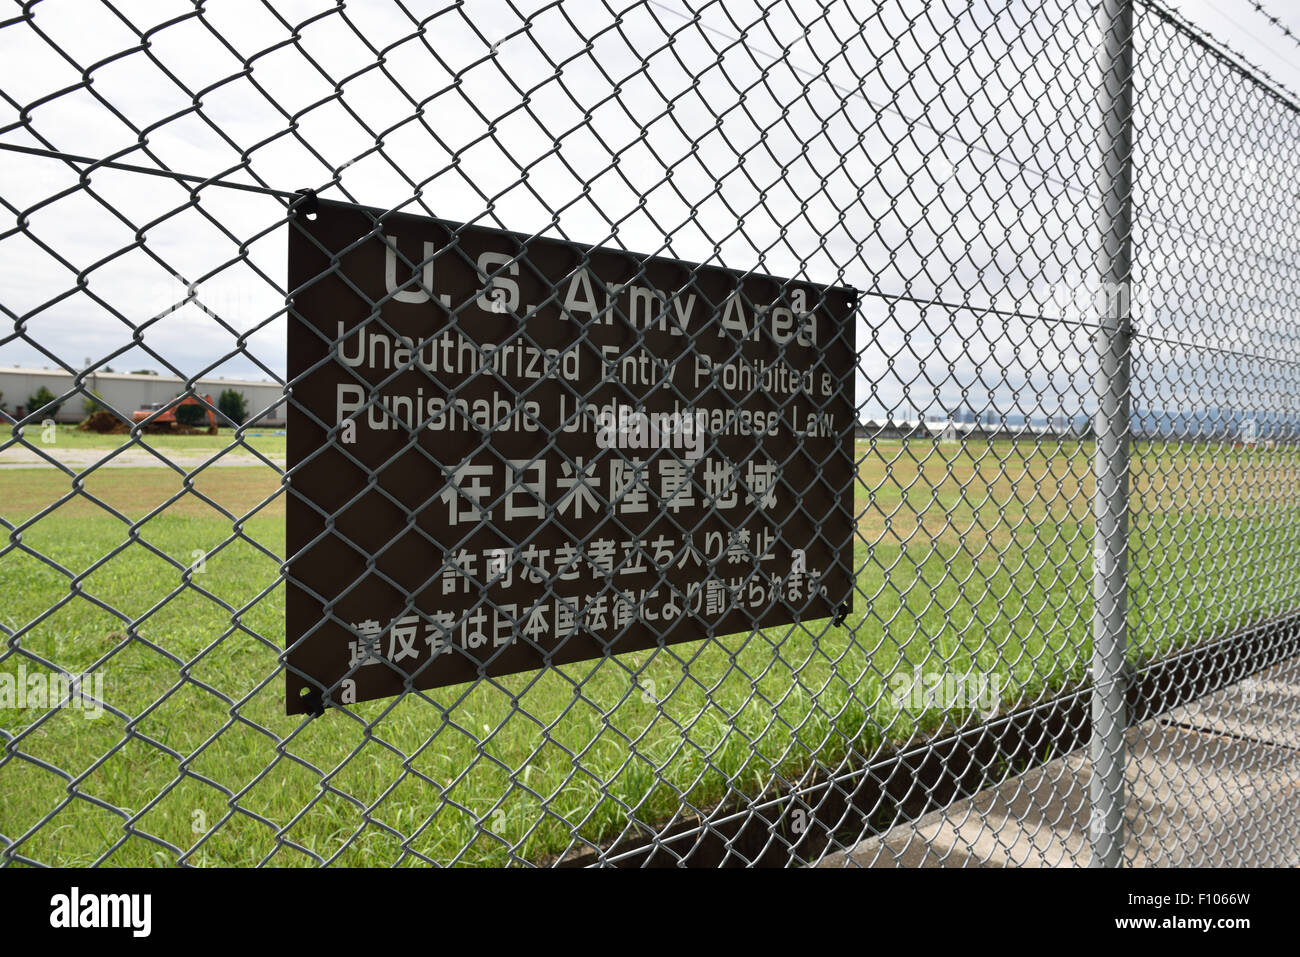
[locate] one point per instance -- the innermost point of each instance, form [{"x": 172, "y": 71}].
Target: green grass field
[
  {"x": 970, "y": 558},
  {"x": 266, "y": 440}
]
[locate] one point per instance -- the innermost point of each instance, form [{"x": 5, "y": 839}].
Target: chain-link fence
[{"x": 922, "y": 489}]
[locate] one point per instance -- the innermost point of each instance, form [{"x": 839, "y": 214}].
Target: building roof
[{"x": 27, "y": 370}]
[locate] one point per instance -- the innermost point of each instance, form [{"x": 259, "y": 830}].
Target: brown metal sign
[{"x": 508, "y": 453}]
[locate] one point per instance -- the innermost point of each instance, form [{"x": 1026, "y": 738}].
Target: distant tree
[
  {"x": 143, "y": 372},
  {"x": 40, "y": 399},
  {"x": 233, "y": 406},
  {"x": 193, "y": 414},
  {"x": 108, "y": 368}
]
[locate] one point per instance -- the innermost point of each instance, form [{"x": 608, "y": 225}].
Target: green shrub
[
  {"x": 233, "y": 406},
  {"x": 193, "y": 415},
  {"x": 42, "y": 400}
]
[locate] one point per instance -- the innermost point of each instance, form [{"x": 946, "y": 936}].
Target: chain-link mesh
[{"x": 948, "y": 164}]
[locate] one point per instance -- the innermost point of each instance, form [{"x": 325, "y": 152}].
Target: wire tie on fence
[
  {"x": 314, "y": 700},
  {"x": 307, "y": 204}
]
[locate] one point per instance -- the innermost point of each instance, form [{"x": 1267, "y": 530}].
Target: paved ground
[
  {"x": 79, "y": 459},
  {"x": 1213, "y": 782}
]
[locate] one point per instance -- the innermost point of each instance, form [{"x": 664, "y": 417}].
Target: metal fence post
[{"x": 1111, "y": 461}]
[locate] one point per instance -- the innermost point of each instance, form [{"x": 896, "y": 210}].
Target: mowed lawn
[
  {"x": 970, "y": 559},
  {"x": 264, "y": 439}
]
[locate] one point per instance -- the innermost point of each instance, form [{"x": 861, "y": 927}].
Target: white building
[{"x": 126, "y": 392}]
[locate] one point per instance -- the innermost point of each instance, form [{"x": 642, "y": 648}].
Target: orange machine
[{"x": 165, "y": 421}]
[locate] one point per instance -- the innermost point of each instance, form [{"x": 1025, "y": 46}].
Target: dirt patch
[{"x": 105, "y": 423}]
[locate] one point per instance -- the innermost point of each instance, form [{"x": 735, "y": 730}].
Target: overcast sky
[{"x": 919, "y": 154}]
